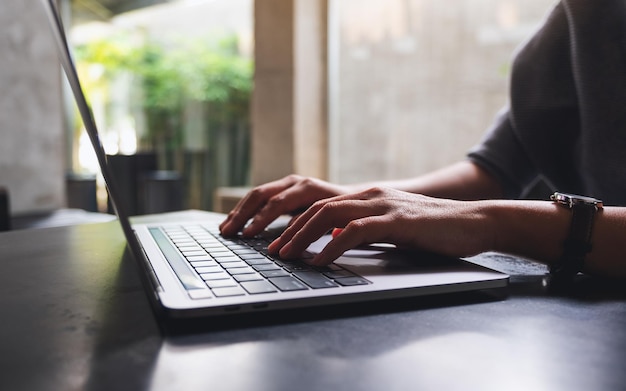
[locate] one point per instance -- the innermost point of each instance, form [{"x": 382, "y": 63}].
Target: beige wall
[
  {"x": 289, "y": 121},
  {"x": 272, "y": 99},
  {"x": 31, "y": 136}
]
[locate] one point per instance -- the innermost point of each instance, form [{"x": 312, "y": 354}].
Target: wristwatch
[{"x": 578, "y": 242}]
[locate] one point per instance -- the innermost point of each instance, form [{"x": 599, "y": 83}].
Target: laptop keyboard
[{"x": 210, "y": 265}]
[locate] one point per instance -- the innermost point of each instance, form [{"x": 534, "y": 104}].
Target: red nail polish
[{"x": 336, "y": 232}]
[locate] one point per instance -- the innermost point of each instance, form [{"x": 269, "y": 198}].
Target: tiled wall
[{"x": 31, "y": 125}]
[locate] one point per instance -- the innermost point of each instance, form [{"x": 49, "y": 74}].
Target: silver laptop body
[{"x": 191, "y": 271}]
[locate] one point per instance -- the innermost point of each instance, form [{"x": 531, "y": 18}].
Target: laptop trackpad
[{"x": 382, "y": 257}]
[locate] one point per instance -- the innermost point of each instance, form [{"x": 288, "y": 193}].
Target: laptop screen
[{"x": 65, "y": 58}]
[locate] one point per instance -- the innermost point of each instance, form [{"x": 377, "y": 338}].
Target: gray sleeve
[
  {"x": 566, "y": 121},
  {"x": 501, "y": 154}
]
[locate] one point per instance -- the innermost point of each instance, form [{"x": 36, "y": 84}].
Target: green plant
[
  {"x": 214, "y": 74},
  {"x": 218, "y": 75},
  {"x": 170, "y": 76}
]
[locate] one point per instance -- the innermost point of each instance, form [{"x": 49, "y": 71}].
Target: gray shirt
[{"x": 566, "y": 121}]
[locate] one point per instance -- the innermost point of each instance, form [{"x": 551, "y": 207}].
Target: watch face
[{"x": 574, "y": 199}]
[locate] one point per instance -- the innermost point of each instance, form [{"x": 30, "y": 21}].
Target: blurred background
[{"x": 199, "y": 99}]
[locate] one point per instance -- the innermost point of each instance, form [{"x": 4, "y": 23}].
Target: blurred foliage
[
  {"x": 167, "y": 78},
  {"x": 170, "y": 73},
  {"x": 218, "y": 75}
]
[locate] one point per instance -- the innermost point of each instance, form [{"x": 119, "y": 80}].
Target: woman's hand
[
  {"x": 265, "y": 203},
  {"x": 454, "y": 228}
]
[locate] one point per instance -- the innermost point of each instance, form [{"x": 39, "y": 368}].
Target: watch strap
[{"x": 578, "y": 242}]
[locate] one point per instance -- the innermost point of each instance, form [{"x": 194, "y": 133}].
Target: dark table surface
[{"x": 75, "y": 317}]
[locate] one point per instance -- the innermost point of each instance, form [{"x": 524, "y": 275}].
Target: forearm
[
  {"x": 461, "y": 181},
  {"x": 537, "y": 230}
]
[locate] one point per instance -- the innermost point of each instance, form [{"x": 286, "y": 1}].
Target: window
[
  {"x": 172, "y": 80},
  {"x": 415, "y": 83}
]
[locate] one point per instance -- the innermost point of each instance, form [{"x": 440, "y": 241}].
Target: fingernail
[
  {"x": 336, "y": 232},
  {"x": 248, "y": 230},
  {"x": 224, "y": 229},
  {"x": 315, "y": 261},
  {"x": 274, "y": 246},
  {"x": 284, "y": 252}
]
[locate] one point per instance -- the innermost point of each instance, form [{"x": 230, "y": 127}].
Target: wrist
[{"x": 533, "y": 229}]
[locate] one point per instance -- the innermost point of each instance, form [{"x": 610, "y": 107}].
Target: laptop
[{"x": 190, "y": 271}]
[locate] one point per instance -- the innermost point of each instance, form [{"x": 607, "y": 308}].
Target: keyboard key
[
  {"x": 209, "y": 269},
  {"x": 177, "y": 237},
  {"x": 287, "y": 284},
  {"x": 247, "y": 277},
  {"x": 258, "y": 261},
  {"x": 222, "y": 260},
  {"x": 265, "y": 267},
  {"x": 293, "y": 265},
  {"x": 193, "y": 253},
  {"x": 219, "y": 253},
  {"x": 197, "y": 294},
  {"x": 190, "y": 248},
  {"x": 328, "y": 268},
  {"x": 215, "y": 276},
  {"x": 338, "y": 274},
  {"x": 238, "y": 247},
  {"x": 183, "y": 242},
  {"x": 274, "y": 273},
  {"x": 199, "y": 258},
  {"x": 231, "y": 243},
  {"x": 229, "y": 291},
  {"x": 210, "y": 242},
  {"x": 245, "y": 251},
  {"x": 213, "y": 246},
  {"x": 203, "y": 263},
  {"x": 259, "y": 246},
  {"x": 240, "y": 270},
  {"x": 221, "y": 283},
  {"x": 351, "y": 281},
  {"x": 247, "y": 257},
  {"x": 315, "y": 280},
  {"x": 231, "y": 265},
  {"x": 257, "y": 287},
  {"x": 202, "y": 237}
]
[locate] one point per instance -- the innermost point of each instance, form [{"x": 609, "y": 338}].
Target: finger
[
  {"x": 330, "y": 215},
  {"x": 358, "y": 232},
  {"x": 294, "y": 218},
  {"x": 336, "y": 232},
  {"x": 275, "y": 207},
  {"x": 238, "y": 217},
  {"x": 297, "y": 223},
  {"x": 247, "y": 207},
  {"x": 295, "y": 198}
]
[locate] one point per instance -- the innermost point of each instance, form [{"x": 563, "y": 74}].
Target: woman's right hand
[{"x": 265, "y": 203}]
